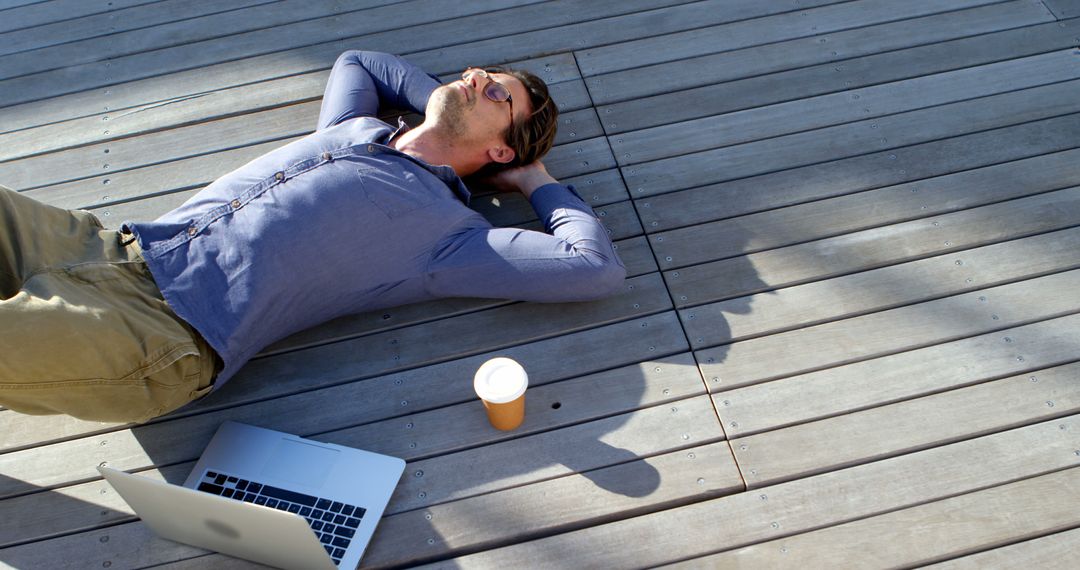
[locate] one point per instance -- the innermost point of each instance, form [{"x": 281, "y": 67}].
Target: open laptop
[{"x": 270, "y": 497}]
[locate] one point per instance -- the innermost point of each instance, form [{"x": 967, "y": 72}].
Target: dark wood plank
[
  {"x": 19, "y": 14},
  {"x": 1064, "y": 9}
]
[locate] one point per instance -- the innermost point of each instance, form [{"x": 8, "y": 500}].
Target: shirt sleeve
[
  {"x": 574, "y": 261},
  {"x": 363, "y": 81}
]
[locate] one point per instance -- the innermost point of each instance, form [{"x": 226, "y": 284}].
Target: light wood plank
[
  {"x": 872, "y": 435},
  {"x": 434, "y": 28},
  {"x": 1052, "y": 552},
  {"x": 908, "y": 241},
  {"x": 928, "y": 533},
  {"x": 852, "y": 139},
  {"x": 412, "y": 437},
  {"x": 511, "y": 464},
  {"x": 1019, "y": 350},
  {"x": 114, "y": 24},
  {"x": 805, "y": 21},
  {"x": 19, "y": 14},
  {"x": 882, "y": 289},
  {"x": 806, "y": 504},
  {"x": 845, "y": 106},
  {"x": 941, "y": 197},
  {"x": 264, "y": 96},
  {"x": 421, "y": 388},
  {"x": 784, "y": 71},
  {"x": 889, "y": 332}
]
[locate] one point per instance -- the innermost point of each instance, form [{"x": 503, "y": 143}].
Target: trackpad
[{"x": 301, "y": 463}]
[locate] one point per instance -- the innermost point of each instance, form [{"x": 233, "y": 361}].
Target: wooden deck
[{"x": 849, "y": 338}]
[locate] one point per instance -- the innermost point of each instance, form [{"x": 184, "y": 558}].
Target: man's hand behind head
[{"x": 525, "y": 179}]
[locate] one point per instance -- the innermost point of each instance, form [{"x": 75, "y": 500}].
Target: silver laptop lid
[{"x": 260, "y": 534}]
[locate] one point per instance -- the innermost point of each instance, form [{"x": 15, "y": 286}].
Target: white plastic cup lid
[{"x": 500, "y": 380}]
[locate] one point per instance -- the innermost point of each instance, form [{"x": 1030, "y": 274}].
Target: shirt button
[
  {"x": 235, "y": 204},
  {"x": 192, "y": 231},
  {"x": 279, "y": 176},
  {"x": 326, "y": 156},
  {"x": 371, "y": 148}
]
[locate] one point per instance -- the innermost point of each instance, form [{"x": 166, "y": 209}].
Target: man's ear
[{"x": 501, "y": 154}]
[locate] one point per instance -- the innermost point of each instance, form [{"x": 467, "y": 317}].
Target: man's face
[{"x": 468, "y": 116}]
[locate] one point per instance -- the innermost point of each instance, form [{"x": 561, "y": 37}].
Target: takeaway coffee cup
[{"x": 501, "y": 383}]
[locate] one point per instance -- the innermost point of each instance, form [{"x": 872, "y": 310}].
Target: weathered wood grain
[
  {"x": 872, "y": 435},
  {"x": 1064, "y": 9},
  {"x": 806, "y": 504},
  {"x": 1053, "y": 552},
  {"x": 844, "y": 106},
  {"x": 805, "y": 22},
  {"x": 19, "y": 14},
  {"x": 785, "y": 71},
  {"x": 889, "y": 332},
  {"x": 899, "y": 377},
  {"x": 883, "y": 289},
  {"x": 928, "y": 533},
  {"x": 852, "y": 139}
]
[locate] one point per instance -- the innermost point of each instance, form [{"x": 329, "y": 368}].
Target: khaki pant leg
[{"x": 87, "y": 333}]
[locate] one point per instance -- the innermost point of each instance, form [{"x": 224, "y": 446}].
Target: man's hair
[{"x": 532, "y": 138}]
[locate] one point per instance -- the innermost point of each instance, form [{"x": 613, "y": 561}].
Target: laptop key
[
  {"x": 359, "y": 513},
  {"x": 316, "y": 525},
  {"x": 328, "y": 517},
  {"x": 329, "y": 528},
  {"x": 352, "y": 523},
  {"x": 317, "y": 514},
  {"x": 336, "y": 507},
  {"x": 211, "y": 475},
  {"x": 345, "y": 531},
  {"x": 294, "y": 509},
  {"x": 329, "y": 549},
  {"x": 326, "y": 538},
  {"x": 211, "y": 488},
  {"x": 219, "y": 480},
  {"x": 254, "y": 488},
  {"x": 272, "y": 503},
  {"x": 227, "y": 493},
  {"x": 283, "y": 506},
  {"x": 323, "y": 504},
  {"x": 340, "y": 519},
  {"x": 286, "y": 495},
  {"x": 347, "y": 511},
  {"x": 341, "y": 541},
  {"x": 260, "y": 500},
  {"x": 242, "y": 485},
  {"x": 338, "y": 553},
  {"x": 306, "y": 511}
]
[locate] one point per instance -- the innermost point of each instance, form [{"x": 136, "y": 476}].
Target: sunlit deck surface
[{"x": 849, "y": 337}]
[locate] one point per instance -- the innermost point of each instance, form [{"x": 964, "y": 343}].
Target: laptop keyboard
[{"x": 333, "y": 522}]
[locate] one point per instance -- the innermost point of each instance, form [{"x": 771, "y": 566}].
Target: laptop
[{"x": 270, "y": 497}]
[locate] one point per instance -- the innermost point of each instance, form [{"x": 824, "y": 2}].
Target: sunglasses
[{"x": 493, "y": 90}]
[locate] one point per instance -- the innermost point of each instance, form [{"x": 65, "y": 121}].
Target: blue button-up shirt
[{"x": 339, "y": 222}]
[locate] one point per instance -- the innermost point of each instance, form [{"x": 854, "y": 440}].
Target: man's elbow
[{"x": 605, "y": 279}]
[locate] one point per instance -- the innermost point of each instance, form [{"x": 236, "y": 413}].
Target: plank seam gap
[
  {"x": 980, "y": 550},
  {"x": 667, "y": 289}
]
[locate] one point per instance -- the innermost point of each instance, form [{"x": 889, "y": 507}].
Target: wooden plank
[
  {"x": 816, "y": 260},
  {"x": 652, "y": 432},
  {"x": 784, "y": 71},
  {"x": 19, "y": 14},
  {"x": 264, "y": 96},
  {"x": 654, "y": 383},
  {"x": 852, "y": 139},
  {"x": 805, "y": 22},
  {"x": 225, "y": 134},
  {"x": 1052, "y": 552},
  {"x": 872, "y": 435},
  {"x": 882, "y": 289},
  {"x": 181, "y": 30},
  {"x": 928, "y": 533},
  {"x": 913, "y": 374},
  {"x": 283, "y": 50},
  {"x": 944, "y": 198},
  {"x": 117, "y": 21},
  {"x": 888, "y": 332},
  {"x": 802, "y": 505},
  {"x": 1064, "y": 9},
  {"x": 844, "y": 106},
  {"x": 422, "y": 388}
]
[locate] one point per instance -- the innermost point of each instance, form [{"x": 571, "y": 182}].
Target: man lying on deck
[{"x": 127, "y": 325}]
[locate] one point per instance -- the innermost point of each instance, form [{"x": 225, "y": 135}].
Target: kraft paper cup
[{"x": 501, "y": 383}]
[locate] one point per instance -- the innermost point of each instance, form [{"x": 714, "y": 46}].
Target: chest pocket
[{"x": 397, "y": 192}]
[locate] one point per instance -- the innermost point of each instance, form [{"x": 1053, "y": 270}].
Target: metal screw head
[
  {"x": 686, "y": 436},
  {"x": 419, "y": 473},
  {"x": 700, "y": 481},
  {"x": 431, "y": 541}
]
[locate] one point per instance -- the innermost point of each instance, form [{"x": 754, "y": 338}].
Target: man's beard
[{"x": 449, "y": 107}]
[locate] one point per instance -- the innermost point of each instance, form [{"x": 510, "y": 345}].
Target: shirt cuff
[{"x": 550, "y": 197}]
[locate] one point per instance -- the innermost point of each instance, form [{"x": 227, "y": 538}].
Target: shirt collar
[{"x": 444, "y": 173}]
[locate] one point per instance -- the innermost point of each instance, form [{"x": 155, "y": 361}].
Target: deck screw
[
  {"x": 676, "y": 274},
  {"x": 422, "y": 495},
  {"x": 420, "y": 473},
  {"x": 691, "y": 455},
  {"x": 734, "y": 424},
  {"x": 431, "y": 541},
  {"x": 764, "y": 497},
  {"x": 776, "y": 525},
  {"x": 710, "y": 360},
  {"x": 743, "y": 447},
  {"x": 412, "y": 445},
  {"x": 657, "y": 369},
  {"x": 1049, "y": 404},
  {"x": 995, "y": 317},
  {"x": 104, "y": 539},
  {"x": 1019, "y": 358},
  {"x": 959, "y": 262},
  {"x": 667, "y": 391},
  {"x": 106, "y": 564},
  {"x": 409, "y": 425},
  {"x": 652, "y": 348},
  {"x": 727, "y": 402},
  {"x": 686, "y": 436},
  {"x": 700, "y": 481},
  {"x": 1007, "y": 339},
  {"x": 404, "y": 402}
]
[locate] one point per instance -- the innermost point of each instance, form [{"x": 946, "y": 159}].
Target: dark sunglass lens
[{"x": 496, "y": 91}]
